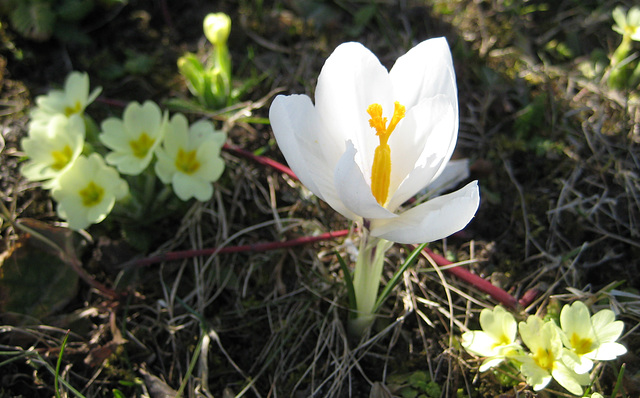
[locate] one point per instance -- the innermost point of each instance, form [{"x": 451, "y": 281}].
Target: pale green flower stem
[
  {"x": 366, "y": 280},
  {"x": 618, "y": 74}
]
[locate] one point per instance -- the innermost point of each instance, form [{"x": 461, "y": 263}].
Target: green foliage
[
  {"x": 34, "y": 281},
  {"x": 414, "y": 385},
  {"x": 42, "y": 19}
]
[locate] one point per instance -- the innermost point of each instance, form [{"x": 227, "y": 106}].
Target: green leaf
[
  {"x": 396, "y": 277},
  {"x": 34, "y": 280},
  {"x": 74, "y": 10},
  {"x": 351, "y": 292},
  {"x": 34, "y": 20}
]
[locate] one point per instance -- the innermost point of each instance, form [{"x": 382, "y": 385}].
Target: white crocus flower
[
  {"x": 546, "y": 358},
  {"x": 72, "y": 100},
  {"x": 52, "y": 147},
  {"x": 375, "y": 138},
  {"x": 87, "y": 191},
  {"x": 496, "y": 340},
  {"x": 189, "y": 158},
  {"x": 134, "y": 138},
  {"x": 590, "y": 337}
]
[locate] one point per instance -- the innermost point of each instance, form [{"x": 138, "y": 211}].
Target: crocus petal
[
  {"x": 435, "y": 219},
  {"x": 298, "y": 126},
  {"x": 455, "y": 172},
  {"x": 426, "y": 71},
  {"x": 351, "y": 79},
  {"x": 354, "y": 191},
  {"x": 433, "y": 120}
]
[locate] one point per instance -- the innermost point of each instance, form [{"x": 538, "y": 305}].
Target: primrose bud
[{"x": 217, "y": 27}]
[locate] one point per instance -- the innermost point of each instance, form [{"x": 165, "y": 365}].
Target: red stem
[
  {"x": 474, "y": 280},
  {"x": 261, "y": 160},
  {"x": 259, "y": 247}
]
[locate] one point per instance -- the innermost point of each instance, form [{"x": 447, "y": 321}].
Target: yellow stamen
[
  {"x": 381, "y": 169},
  {"x": 70, "y": 110},
  {"x": 61, "y": 158},
  {"x": 92, "y": 194},
  {"x": 142, "y": 145},
  {"x": 581, "y": 345},
  {"x": 186, "y": 162}
]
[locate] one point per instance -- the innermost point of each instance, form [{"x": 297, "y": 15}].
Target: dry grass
[{"x": 560, "y": 213}]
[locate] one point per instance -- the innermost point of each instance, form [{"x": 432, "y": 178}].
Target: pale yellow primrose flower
[
  {"x": 217, "y": 28},
  {"x": 627, "y": 24},
  {"x": 496, "y": 340},
  {"x": 546, "y": 358},
  {"x": 374, "y": 138},
  {"x": 189, "y": 158},
  {"x": 590, "y": 337},
  {"x": 87, "y": 191},
  {"x": 52, "y": 147},
  {"x": 134, "y": 138},
  {"x": 71, "y": 101}
]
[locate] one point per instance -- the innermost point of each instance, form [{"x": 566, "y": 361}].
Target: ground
[{"x": 555, "y": 151}]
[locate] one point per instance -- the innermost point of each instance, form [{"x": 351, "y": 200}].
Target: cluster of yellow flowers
[
  {"x": 564, "y": 353},
  {"x": 86, "y": 187}
]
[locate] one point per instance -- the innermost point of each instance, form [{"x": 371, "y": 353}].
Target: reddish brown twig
[
  {"x": 258, "y": 247},
  {"x": 474, "y": 280},
  {"x": 261, "y": 160}
]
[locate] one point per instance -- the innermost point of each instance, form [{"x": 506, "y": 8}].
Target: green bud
[
  {"x": 193, "y": 71},
  {"x": 217, "y": 27}
]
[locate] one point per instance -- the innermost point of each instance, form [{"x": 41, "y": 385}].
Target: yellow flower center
[
  {"x": 503, "y": 340},
  {"x": 70, "y": 110},
  {"x": 581, "y": 345},
  {"x": 92, "y": 194},
  {"x": 381, "y": 169},
  {"x": 61, "y": 158},
  {"x": 544, "y": 359},
  {"x": 186, "y": 162},
  {"x": 142, "y": 145}
]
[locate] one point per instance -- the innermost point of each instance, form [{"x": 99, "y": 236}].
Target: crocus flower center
[
  {"x": 186, "y": 161},
  {"x": 61, "y": 158},
  {"x": 544, "y": 358},
  {"x": 381, "y": 169},
  {"x": 581, "y": 345},
  {"x": 71, "y": 110},
  {"x": 92, "y": 194},
  {"x": 142, "y": 145}
]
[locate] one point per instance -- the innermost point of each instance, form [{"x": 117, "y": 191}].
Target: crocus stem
[{"x": 366, "y": 280}]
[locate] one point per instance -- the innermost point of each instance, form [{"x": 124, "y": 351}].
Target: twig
[
  {"x": 474, "y": 280},
  {"x": 258, "y": 247},
  {"x": 261, "y": 160}
]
